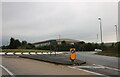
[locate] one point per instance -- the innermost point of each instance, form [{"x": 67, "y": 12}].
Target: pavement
[{"x": 57, "y": 59}]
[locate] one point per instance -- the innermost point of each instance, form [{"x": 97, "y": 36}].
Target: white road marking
[
  {"x": 90, "y": 67},
  {"x": 10, "y": 73},
  {"x": 97, "y": 66},
  {"x": 88, "y": 71},
  {"x": 107, "y": 67}
]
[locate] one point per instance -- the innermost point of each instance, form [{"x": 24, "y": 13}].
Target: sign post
[{"x": 72, "y": 54}]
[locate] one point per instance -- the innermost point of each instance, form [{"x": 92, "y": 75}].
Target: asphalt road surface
[
  {"x": 22, "y": 66},
  {"x": 104, "y": 65},
  {"x": 90, "y": 57},
  {"x": 101, "y": 64}
]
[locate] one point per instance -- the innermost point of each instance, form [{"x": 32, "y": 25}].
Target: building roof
[{"x": 62, "y": 39}]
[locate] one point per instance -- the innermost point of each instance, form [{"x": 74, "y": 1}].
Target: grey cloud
[{"x": 36, "y": 21}]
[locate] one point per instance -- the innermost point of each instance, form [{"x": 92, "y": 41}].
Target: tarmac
[{"x": 57, "y": 59}]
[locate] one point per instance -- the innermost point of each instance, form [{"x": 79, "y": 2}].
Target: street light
[
  {"x": 116, "y": 27},
  {"x": 100, "y": 29}
]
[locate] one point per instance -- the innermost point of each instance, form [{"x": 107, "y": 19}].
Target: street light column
[
  {"x": 116, "y": 33},
  {"x": 100, "y": 29}
]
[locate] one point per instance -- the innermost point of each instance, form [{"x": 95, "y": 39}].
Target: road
[
  {"x": 104, "y": 64},
  {"x": 22, "y": 66},
  {"x": 90, "y": 57}
]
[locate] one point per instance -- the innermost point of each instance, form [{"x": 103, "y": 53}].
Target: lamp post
[
  {"x": 116, "y": 27},
  {"x": 100, "y": 29},
  {"x": 101, "y": 33}
]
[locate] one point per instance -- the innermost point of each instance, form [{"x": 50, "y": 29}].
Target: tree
[
  {"x": 23, "y": 45},
  {"x": 81, "y": 45},
  {"x": 53, "y": 45},
  {"x": 81, "y": 42},
  {"x": 5, "y": 47},
  {"x": 96, "y": 46},
  {"x": 117, "y": 47},
  {"x": 103, "y": 47},
  {"x": 62, "y": 47},
  {"x": 63, "y": 42},
  {"x": 11, "y": 45},
  {"x": 17, "y": 43},
  {"x": 30, "y": 46},
  {"x": 14, "y": 44}
]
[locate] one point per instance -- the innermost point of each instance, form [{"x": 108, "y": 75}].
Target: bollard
[
  {"x": 29, "y": 53},
  {"x": 36, "y": 53},
  {"x": 6, "y": 53},
  {"x": 22, "y": 53},
  {"x": 72, "y": 54},
  {"x": 42, "y": 53},
  {"x": 14, "y": 53}
]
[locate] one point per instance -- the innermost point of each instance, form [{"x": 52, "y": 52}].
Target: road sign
[{"x": 72, "y": 54}]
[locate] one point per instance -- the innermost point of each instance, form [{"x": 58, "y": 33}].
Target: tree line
[
  {"x": 16, "y": 44},
  {"x": 80, "y": 46},
  {"x": 64, "y": 46}
]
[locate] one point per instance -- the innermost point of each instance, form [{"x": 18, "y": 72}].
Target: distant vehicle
[{"x": 98, "y": 50}]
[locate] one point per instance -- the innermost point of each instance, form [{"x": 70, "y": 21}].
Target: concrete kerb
[{"x": 55, "y": 61}]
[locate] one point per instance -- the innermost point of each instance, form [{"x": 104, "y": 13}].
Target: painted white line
[
  {"x": 107, "y": 67},
  {"x": 10, "y": 73},
  {"x": 87, "y": 71},
  {"x": 89, "y": 67}
]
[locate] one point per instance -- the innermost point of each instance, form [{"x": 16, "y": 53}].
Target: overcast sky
[{"x": 37, "y": 21}]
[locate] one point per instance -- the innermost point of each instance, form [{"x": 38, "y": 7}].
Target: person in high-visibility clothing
[{"x": 72, "y": 54}]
